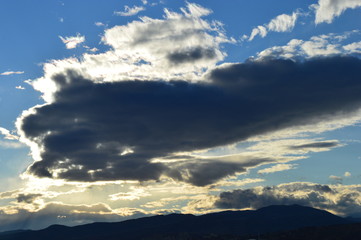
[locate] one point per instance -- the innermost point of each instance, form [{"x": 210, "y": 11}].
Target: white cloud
[
  {"x": 260, "y": 30},
  {"x": 201, "y": 205},
  {"x": 20, "y": 87},
  {"x": 353, "y": 47},
  {"x": 7, "y": 134},
  {"x": 99, "y": 24},
  {"x": 281, "y": 23},
  {"x": 327, "y": 10},
  {"x": 8, "y": 144},
  {"x": 130, "y": 11},
  {"x": 335, "y": 178},
  {"x": 178, "y": 46},
  {"x": 72, "y": 42},
  {"x": 134, "y": 194},
  {"x": 11, "y": 73},
  {"x": 94, "y": 49},
  {"x": 277, "y": 168},
  {"x": 316, "y": 46}
]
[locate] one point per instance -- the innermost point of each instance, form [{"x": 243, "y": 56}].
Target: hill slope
[{"x": 236, "y": 223}]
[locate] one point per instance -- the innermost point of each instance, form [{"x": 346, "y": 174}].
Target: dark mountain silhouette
[
  {"x": 185, "y": 226},
  {"x": 334, "y": 232}
]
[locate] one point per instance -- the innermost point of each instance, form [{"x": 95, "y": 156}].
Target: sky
[{"x": 113, "y": 110}]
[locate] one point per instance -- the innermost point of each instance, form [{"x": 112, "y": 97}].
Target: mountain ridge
[{"x": 269, "y": 219}]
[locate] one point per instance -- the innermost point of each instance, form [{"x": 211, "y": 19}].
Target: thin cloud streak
[{"x": 11, "y": 73}]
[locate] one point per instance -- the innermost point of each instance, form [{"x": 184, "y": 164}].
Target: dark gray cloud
[
  {"x": 84, "y": 132},
  {"x": 201, "y": 173},
  {"x": 27, "y": 198},
  {"x": 325, "y": 144},
  {"x": 191, "y": 55},
  {"x": 339, "y": 199}
]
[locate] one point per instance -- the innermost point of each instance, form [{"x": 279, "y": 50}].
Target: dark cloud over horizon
[
  {"x": 112, "y": 131},
  {"x": 339, "y": 199}
]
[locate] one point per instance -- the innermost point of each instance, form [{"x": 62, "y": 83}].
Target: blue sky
[{"x": 118, "y": 109}]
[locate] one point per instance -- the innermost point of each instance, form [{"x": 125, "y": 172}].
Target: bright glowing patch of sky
[{"x": 150, "y": 159}]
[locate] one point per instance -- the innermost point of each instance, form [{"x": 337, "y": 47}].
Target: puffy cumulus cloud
[
  {"x": 327, "y": 10},
  {"x": 317, "y": 46},
  {"x": 73, "y": 41},
  {"x": 277, "y": 168},
  {"x": 183, "y": 42},
  {"x": 181, "y": 45},
  {"x": 281, "y": 23},
  {"x": 129, "y": 11},
  {"x": 353, "y": 47},
  {"x": 339, "y": 199},
  {"x": 59, "y": 213},
  {"x": 122, "y": 130}
]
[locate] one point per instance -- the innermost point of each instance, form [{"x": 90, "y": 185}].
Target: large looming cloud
[{"x": 109, "y": 131}]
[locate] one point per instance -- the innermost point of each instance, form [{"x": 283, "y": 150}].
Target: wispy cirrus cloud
[
  {"x": 281, "y": 23},
  {"x": 7, "y": 134},
  {"x": 7, "y": 73},
  {"x": 130, "y": 11},
  {"x": 72, "y": 41},
  {"x": 277, "y": 168}
]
